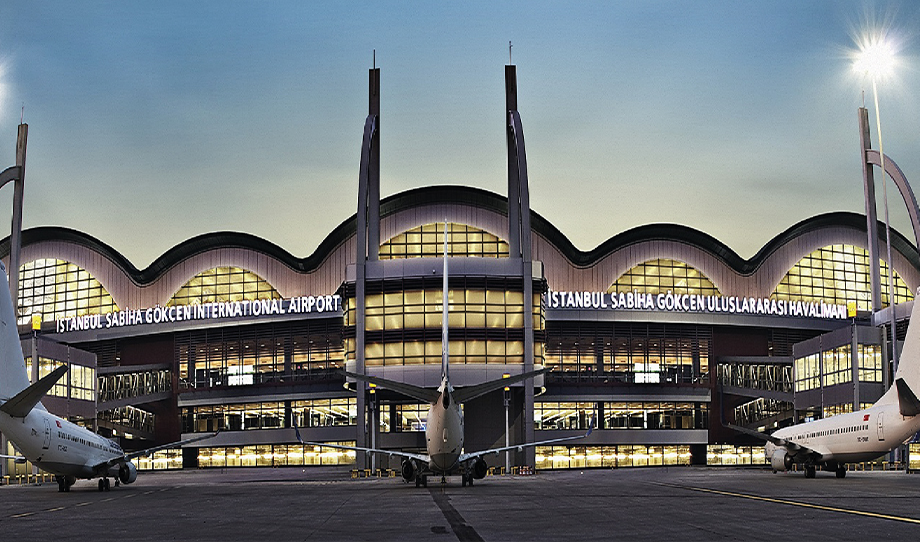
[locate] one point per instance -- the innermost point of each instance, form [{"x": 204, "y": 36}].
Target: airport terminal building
[{"x": 662, "y": 332}]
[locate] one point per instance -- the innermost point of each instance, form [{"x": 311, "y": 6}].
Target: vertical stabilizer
[
  {"x": 444, "y": 353},
  {"x": 909, "y": 364},
  {"x": 13, "y": 375}
]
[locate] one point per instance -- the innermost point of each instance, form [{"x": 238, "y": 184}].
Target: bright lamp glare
[{"x": 875, "y": 58}]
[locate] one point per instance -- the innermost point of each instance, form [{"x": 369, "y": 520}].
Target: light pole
[
  {"x": 876, "y": 60},
  {"x": 507, "y": 396}
]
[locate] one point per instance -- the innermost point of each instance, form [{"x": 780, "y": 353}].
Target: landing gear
[
  {"x": 809, "y": 471},
  {"x": 63, "y": 483},
  {"x": 466, "y": 478},
  {"x": 104, "y": 484},
  {"x": 841, "y": 471},
  {"x": 424, "y": 480}
]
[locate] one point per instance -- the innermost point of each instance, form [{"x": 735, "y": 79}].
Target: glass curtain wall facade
[
  {"x": 834, "y": 366},
  {"x": 403, "y": 318},
  {"x": 838, "y": 274},
  {"x": 621, "y": 415},
  {"x": 238, "y": 356},
  {"x": 663, "y": 276},
  {"x": 270, "y": 415},
  {"x": 57, "y": 289},
  {"x": 630, "y": 353},
  {"x": 223, "y": 284}
]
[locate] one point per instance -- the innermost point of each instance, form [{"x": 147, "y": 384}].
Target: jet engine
[
  {"x": 480, "y": 468},
  {"x": 127, "y": 473},
  {"x": 408, "y": 470},
  {"x": 780, "y": 460}
]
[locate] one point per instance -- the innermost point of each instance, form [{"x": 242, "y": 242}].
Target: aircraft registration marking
[{"x": 795, "y": 503}]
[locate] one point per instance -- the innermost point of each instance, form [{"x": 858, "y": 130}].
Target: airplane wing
[
  {"x": 418, "y": 457},
  {"x": 792, "y": 447},
  {"x": 519, "y": 447},
  {"x": 140, "y": 453},
  {"x": 148, "y": 451}
]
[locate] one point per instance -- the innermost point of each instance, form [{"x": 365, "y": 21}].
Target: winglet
[
  {"x": 592, "y": 426},
  {"x": 297, "y": 432},
  {"x": 23, "y": 402}
]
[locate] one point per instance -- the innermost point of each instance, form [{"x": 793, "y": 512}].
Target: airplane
[
  {"x": 51, "y": 443},
  {"x": 444, "y": 428},
  {"x": 831, "y": 443}
]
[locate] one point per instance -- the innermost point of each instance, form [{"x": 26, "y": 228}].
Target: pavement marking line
[
  {"x": 22, "y": 515},
  {"x": 55, "y": 509},
  {"x": 795, "y": 503},
  {"x": 82, "y": 504},
  {"x": 464, "y": 531}
]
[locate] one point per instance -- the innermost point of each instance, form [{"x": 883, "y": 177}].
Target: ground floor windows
[
  {"x": 162, "y": 460},
  {"x": 275, "y": 455},
  {"x": 623, "y": 455},
  {"x": 719, "y": 454}
]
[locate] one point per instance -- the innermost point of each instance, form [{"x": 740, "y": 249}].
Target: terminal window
[
  {"x": 58, "y": 289},
  {"x": 663, "y": 276},
  {"x": 428, "y": 242},
  {"x": 223, "y": 284},
  {"x": 835, "y": 275}
]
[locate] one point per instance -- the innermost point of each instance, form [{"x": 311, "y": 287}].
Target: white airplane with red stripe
[
  {"x": 830, "y": 443},
  {"x": 53, "y": 444}
]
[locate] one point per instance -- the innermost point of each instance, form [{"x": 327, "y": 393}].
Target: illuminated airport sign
[
  {"x": 203, "y": 311},
  {"x": 690, "y": 303}
]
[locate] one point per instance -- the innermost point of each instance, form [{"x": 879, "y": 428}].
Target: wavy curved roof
[{"x": 465, "y": 196}]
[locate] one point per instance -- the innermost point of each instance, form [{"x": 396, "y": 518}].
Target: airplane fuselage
[
  {"x": 853, "y": 437},
  {"x": 58, "y": 446},
  {"x": 444, "y": 433}
]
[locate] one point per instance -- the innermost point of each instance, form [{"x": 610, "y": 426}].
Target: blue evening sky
[{"x": 153, "y": 122}]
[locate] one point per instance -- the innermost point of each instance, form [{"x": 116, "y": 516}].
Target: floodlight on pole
[{"x": 876, "y": 60}]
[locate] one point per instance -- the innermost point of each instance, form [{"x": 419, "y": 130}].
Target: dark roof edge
[{"x": 468, "y": 196}]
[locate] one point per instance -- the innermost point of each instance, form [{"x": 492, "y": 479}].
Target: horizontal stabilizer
[
  {"x": 467, "y": 393},
  {"x": 429, "y": 395},
  {"x": 907, "y": 400},
  {"x": 23, "y": 402}
]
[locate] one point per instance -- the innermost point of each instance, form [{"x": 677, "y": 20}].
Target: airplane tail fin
[
  {"x": 13, "y": 375},
  {"x": 907, "y": 378}
]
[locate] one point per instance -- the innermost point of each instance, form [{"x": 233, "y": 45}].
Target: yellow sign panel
[
  {"x": 851, "y": 309},
  {"x": 37, "y": 321}
]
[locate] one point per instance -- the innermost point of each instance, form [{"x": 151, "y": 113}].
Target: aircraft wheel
[
  {"x": 809, "y": 471},
  {"x": 424, "y": 481},
  {"x": 463, "y": 480},
  {"x": 841, "y": 472},
  {"x": 101, "y": 484},
  {"x": 471, "y": 479},
  {"x": 418, "y": 481},
  {"x": 107, "y": 486}
]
